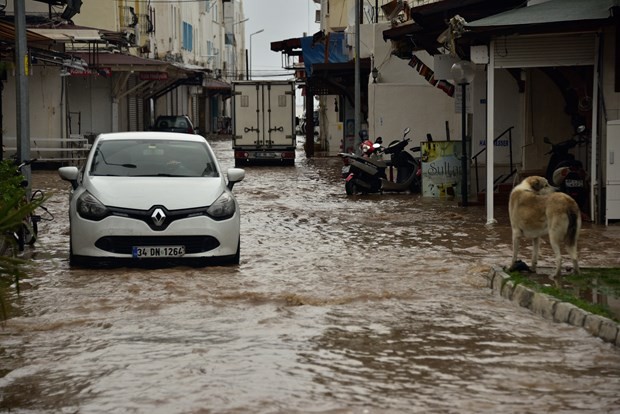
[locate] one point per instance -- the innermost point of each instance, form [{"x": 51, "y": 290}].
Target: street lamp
[
  {"x": 252, "y": 34},
  {"x": 463, "y": 74}
]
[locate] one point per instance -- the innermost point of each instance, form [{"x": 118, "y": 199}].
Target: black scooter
[
  {"x": 366, "y": 173},
  {"x": 566, "y": 172}
]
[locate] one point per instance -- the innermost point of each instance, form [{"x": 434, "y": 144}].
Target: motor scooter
[
  {"x": 366, "y": 173},
  {"x": 565, "y": 171}
]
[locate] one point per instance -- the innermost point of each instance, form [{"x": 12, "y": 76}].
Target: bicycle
[{"x": 28, "y": 231}]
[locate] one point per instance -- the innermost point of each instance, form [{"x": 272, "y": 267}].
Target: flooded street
[{"x": 368, "y": 304}]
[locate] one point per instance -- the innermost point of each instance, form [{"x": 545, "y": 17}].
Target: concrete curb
[{"x": 551, "y": 308}]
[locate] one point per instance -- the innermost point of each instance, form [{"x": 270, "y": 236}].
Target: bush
[{"x": 13, "y": 210}]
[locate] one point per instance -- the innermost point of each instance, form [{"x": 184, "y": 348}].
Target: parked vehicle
[
  {"x": 371, "y": 172},
  {"x": 264, "y": 122},
  {"x": 28, "y": 231},
  {"x": 174, "y": 123},
  {"x": 565, "y": 171},
  {"x": 150, "y": 197}
]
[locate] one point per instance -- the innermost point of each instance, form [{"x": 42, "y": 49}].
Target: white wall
[
  {"x": 403, "y": 98},
  {"x": 92, "y": 97},
  {"x": 45, "y": 94}
]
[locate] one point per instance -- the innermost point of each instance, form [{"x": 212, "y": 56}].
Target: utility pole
[
  {"x": 21, "y": 80},
  {"x": 358, "y": 109}
]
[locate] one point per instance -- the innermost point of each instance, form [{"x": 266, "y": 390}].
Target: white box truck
[{"x": 263, "y": 122}]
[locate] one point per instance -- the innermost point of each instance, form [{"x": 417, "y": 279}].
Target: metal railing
[{"x": 501, "y": 178}]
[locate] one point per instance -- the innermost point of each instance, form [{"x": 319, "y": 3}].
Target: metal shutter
[{"x": 541, "y": 51}]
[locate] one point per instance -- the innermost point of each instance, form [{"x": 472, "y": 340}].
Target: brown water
[{"x": 340, "y": 305}]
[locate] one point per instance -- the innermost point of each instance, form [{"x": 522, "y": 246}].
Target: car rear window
[
  {"x": 156, "y": 158},
  {"x": 171, "y": 123}
]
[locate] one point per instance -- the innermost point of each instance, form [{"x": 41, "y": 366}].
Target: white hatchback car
[{"x": 152, "y": 197}]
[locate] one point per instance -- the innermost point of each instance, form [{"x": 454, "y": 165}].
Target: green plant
[
  {"x": 13, "y": 210},
  {"x": 577, "y": 289}
]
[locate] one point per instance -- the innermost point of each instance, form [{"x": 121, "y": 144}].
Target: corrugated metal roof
[
  {"x": 70, "y": 35},
  {"x": 7, "y": 33},
  {"x": 552, "y": 11}
]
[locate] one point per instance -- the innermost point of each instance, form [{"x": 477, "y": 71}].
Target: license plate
[
  {"x": 573, "y": 183},
  {"x": 265, "y": 155},
  {"x": 158, "y": 251}
]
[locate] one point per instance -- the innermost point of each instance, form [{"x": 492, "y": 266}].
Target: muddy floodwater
[{"x": 367, "y": 304}]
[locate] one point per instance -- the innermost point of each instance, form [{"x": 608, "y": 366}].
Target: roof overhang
[
  {"x": 121, "y": 62},
  {"x": 338, "y": 78},
  {"x": 7, "y": 34},
  {"x": 429, "y": 21},
  {"x": 553, "y": 16},
  {"x": 69, "y": 35},
  {"x": 290, "y": 47}
]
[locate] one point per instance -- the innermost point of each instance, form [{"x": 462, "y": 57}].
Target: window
[{"x": 188, "y": 36}]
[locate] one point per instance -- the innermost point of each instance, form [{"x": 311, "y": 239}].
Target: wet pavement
[{"x": 366, "y": 304}]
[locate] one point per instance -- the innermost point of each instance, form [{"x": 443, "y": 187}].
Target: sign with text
[
  {"x": 441, "y": 168},
  {"x": 153, "y": 76}
]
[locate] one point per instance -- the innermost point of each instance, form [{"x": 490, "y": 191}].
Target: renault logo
[{"x": 158, "y": 217}]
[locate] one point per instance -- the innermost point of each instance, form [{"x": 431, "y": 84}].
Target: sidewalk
[{"x": 551, "y": 308}]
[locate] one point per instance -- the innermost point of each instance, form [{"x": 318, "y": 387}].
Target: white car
[{"x": 152, "y": 197}]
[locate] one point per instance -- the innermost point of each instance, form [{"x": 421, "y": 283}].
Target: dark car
[{"x": 174, "y": 123}]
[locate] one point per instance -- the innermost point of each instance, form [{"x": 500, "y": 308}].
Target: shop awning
[
  {"x": 552, "y": 11},
  {"x": 7, "y": 34},
  {"x": 553, "y": 15},
  {"x": 328, "y": 48},
  {"x": 121, "y": 62},
  {"x": 216, "y": 84},
  {"x": 70, "y": 35}
]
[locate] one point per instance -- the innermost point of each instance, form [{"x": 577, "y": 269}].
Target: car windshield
[{"x": 153, "y": 158}]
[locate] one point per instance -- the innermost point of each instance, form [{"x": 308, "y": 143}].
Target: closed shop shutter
[
  {"x": 132, "y": 105},
  {"x": 545, "y": 51}
]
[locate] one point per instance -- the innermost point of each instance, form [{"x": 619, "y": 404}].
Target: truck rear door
[{"x": 264, "y": 115}]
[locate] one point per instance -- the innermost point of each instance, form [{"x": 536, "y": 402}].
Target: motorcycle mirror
[
  {"x": 581, "y": 128},
  {"x": 407, "y": 130}
]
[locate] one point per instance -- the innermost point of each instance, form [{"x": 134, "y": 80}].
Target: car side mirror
[
  {"x": 234, "y": 176},
  {"x": 70, "y": 174}
]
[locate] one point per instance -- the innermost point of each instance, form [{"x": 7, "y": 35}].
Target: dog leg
[
  {"x": 515, "y": 248},
  {"x": 557, "y": 250},
  {"x": 535, "y": 247},
  {"x": 572, "y": 251}
]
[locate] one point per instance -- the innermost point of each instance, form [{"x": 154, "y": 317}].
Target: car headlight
[
  {"x": 223, "y": 208},
  {"x": 90, "y": 208}
]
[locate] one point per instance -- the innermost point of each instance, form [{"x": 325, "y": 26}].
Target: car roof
[{"x": 150, "y": 135}]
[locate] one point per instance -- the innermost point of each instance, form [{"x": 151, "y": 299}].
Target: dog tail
[{"x": 573, "y": 227}]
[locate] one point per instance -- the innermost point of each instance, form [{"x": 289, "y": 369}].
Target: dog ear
[{"x": 539, "y": 183}]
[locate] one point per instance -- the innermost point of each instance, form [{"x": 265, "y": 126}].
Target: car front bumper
[{"x": 115, "y": 237}]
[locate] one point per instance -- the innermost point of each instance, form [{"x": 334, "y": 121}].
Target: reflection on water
[{"x": 340, "y": 305}]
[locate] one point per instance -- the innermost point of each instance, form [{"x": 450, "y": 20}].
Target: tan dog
[{"x": 535, "y": 210}]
